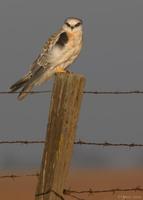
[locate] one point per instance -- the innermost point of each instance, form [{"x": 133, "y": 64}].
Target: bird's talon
[
  {"x": 60, "y": 70},
  {"x": 69, "y": 72}
]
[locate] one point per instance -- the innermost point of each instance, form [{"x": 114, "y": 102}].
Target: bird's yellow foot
[
  {"x": 68, "y": 71},
  {"x": 60, "y": 70}
]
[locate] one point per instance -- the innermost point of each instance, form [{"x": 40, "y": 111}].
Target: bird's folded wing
[{"x": 42, "y": 59}]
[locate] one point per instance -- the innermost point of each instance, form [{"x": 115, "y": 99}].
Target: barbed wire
[
  {"x": 32, "y": 92},
  {"x": 14, "y": 176},
  {"x": 90, "y": 191},
  {"x": 112, "y": 190},
  {"x": 114, "y": 92},
  {"x": 22, "y": 142},
  {"x": 78, "y": 142},
  {"x": 108, "y": 144},
  {"x": 85, "y": 92},
  {"x": 58, "y": 195},
  {"x": 67, "y": 191},
  {"x": 71, "y": 192}
]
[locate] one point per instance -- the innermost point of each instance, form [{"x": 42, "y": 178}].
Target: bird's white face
[{"x": 72, "y": 25}]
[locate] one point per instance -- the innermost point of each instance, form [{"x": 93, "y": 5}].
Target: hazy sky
[{"x": 111, "y": 59}]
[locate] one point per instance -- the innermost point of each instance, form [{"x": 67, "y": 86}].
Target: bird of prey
[{"x": 61, "y": 49}]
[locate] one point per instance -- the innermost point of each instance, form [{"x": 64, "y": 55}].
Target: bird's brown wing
[
  {"x": 37, "y": 69},
  {"x": 42, "y": 59}
]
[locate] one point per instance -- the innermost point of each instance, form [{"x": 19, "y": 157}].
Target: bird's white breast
[{"x": 60, "y": 55}]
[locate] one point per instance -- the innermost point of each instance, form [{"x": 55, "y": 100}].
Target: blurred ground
[{"x": 24, "y": 188}]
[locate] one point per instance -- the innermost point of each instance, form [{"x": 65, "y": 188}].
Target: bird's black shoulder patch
[{"x": 63, "y": 39}]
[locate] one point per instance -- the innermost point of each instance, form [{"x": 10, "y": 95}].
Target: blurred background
[{"x": 111, "y": 59}]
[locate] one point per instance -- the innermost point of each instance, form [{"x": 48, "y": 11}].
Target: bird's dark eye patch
[
  {"x": 78, "y": 24},
  {"x": 68, "y": 24}
]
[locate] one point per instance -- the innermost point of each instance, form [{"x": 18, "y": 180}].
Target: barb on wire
[
  {"x": 108, "y": 144},
  {"x": 32, "y": 92},
  {"x": 22, "y": 142},
  {"x": 90, "y": 191},
  {"x": 13, "y": 176},
  {"x": 113, "y": 190},
  {"x": 78, "y": 142},
  {"x": 72, "y": 192},
  {"x": 85, "y": 92},
  {"x": 115, "y": 92}
]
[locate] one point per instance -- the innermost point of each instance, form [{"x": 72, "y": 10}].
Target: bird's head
[{"x": 72, "y": 24}]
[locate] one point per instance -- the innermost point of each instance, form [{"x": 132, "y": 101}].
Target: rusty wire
[
  {"x": 108, "y": 144},
  {"x": 70, "y": 191},
  {"x": 22, "y": 142},
  {"x": 90, "y": 191},
  {"x": 78, "y": 142},
  {"x": 73, "y": 193},
  {"x": 115, "y": 92},
  {"x": 32, "y": 92},
  {"x": 85, "y": 92},
  {"x": 112, "y": 190},
  {"x": 14, "y": 176}
]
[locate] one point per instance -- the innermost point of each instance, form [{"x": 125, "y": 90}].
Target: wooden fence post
[{"x": 63, "y": 116}]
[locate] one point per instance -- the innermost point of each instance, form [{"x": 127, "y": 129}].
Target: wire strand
[
  {"x": 71, "y": 192},
  {"x": 85, "y": 92},
  {"x": 113, "y": 190},
  {"x": 78, "y": 142},
  {"x": 13, "y": 176}
]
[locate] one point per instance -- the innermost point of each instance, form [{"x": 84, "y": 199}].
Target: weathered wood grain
[{"x": 63, "y": 116}]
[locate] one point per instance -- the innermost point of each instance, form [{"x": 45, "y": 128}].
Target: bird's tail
[
  {"x": 27, "y": 82},
  {"x": 25, "y": 91},
  {"x": 22, "y": 83}
]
